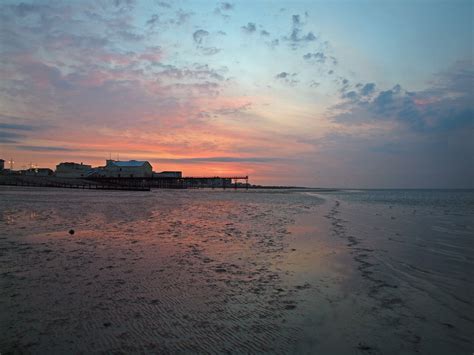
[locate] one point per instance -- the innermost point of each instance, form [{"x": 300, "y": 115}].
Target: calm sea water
[
  {"x": 415, "y": 248},
  {"x": 450, "y": 201}
]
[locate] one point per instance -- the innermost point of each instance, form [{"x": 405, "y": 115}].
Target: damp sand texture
[{"x": 198, "y": 272}]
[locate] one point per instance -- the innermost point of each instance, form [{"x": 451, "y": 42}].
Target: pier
[
  {"x": 128, "y": 183},
  {"x": 175, "y": 182},
  {"x": 72, "y": 184}
]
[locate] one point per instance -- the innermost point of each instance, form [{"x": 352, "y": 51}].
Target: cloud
[
  {"x": 223, "y": 160},
  {"x": 182, "y": 17},
  {"x": 282, "y": 75},
  {"x": 43, "y": 75},
  {"x": 199, "y": 36},
  {"x": 296, "y": 37},
  {"x": 367, "y": 89},
  {"x": 61, "y": 40},
  {"x": 10, "y": 137},
  {"x": 318, "y": 57},
  {"x": 399, "y": 138},
  {"x": 153, "y": 21},
  {"x": 264, "y": 33},
  {"x": 196, "y": 72},
  {"x": 210, "y": 50},
  {"x": 123, "y": 2},
  {"x": 447, "y": 105},
  {"x": 226, "y": 6},
  {"x": 288, "y": 78},
  {"x": 395, "y": 104},
  {"x": 130, "y": 36},
  {"x": 296, "y": 20},
  {"x": 223, "y": 9},
  {"x": 16, "y": 126},
  {"x": 178, "y": 18},
  {"x": 233, "y": 110},
  {"x": 249, "y": 28},
  {"x": 19, "y": 123},
  {"x": 23, "y": 9},
  {"x": 153, "y": 55},
  {"x": 163, "y": 4},
  {"x": 44, "y": 148},
  {"x": 14, "y": 129}
]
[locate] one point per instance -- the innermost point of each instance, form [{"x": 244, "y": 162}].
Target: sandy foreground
[{"x": 196, "y": 271}]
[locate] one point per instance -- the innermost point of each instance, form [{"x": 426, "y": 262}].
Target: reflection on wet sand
[
  {"x": 176, "y": 272},
  {"x": 237, "y": 271}
]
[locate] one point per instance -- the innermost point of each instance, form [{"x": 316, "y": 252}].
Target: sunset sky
[{"x": 313, "y": 93}]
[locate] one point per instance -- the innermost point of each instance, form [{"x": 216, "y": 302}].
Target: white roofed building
[{"x": 128, "y": 169}]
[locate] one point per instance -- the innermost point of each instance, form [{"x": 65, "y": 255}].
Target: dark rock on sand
[{"x": 363, "y": 346}]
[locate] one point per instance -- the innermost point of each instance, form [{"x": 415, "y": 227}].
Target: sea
[{"x": 415, "y": 249}]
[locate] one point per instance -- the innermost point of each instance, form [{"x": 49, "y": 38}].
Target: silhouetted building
[
  {"x": 2, "y": 165},
  {"x": 129, "y": 169},
  {"x": 38, "y": 172},
  {"x": 72, "y": 170}
]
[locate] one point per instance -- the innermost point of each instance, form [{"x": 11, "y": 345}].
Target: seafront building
[
  {"x": 130, "y": 168},
  {"x": 72, "y": 170},
  {"x": 3, "y": 169},
  {"x": 38, "y": 172},
  {"x": 113, "y": 169}
]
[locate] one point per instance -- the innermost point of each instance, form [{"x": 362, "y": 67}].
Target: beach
[{"x": 213, "y": 271}]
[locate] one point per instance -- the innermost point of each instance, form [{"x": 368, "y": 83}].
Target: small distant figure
[{"x": 71, "y": 232}]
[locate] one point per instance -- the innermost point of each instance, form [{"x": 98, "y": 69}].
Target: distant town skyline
[{"x": 309, "y": 93}]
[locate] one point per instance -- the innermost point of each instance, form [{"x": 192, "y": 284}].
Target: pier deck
[
  {"x": 127, "y": 183},
  {"x": 79, "y": 184},
  {"x": 177, "y": 183}
]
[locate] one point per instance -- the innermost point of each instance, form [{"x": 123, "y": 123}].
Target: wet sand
[{"x": 195, "y": 272}]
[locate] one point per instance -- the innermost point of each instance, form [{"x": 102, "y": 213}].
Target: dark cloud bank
[{"x": 430, "y": 139}]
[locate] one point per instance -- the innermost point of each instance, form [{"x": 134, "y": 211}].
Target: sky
[{"x": 355, "y": 94}]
